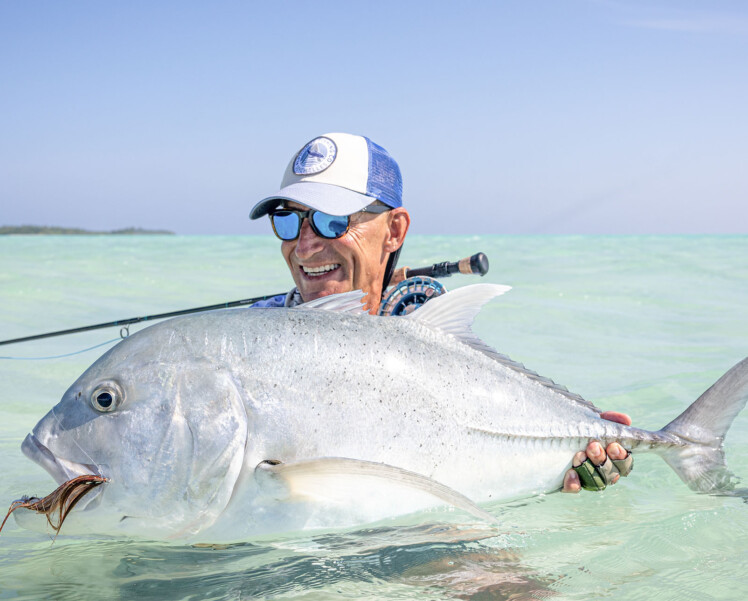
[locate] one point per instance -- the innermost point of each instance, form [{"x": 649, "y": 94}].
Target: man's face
[{"x": 355, "y": 261}]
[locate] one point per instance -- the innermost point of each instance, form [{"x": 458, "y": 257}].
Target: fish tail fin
[{"x": 701, "y": 465}]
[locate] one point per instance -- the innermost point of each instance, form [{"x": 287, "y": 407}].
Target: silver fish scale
[{"x": 390, "y": 390}]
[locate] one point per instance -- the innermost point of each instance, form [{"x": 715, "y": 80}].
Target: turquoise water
[{"x": 637, "y": 324}]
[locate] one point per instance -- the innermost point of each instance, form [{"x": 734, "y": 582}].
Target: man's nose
[{"x": 308, "y": 243}]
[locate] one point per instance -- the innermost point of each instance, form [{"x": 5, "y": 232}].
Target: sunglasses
[{"x": 287, "y": 222}]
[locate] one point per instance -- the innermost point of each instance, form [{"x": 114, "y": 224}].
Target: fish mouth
[{"x": 62, "y": 470}]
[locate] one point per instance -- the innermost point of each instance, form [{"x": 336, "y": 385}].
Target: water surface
[{"x": 637, "y": 324}]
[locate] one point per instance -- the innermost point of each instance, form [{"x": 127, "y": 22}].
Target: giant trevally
[{"x": 231, "y": 424}]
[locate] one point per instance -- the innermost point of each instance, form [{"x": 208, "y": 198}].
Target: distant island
[{"x": 51, "y": 230}]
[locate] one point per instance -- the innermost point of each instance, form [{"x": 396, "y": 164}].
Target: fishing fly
[{"x": 60, "y": 501}]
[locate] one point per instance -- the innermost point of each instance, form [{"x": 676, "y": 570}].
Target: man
[
  {"x": 356, "y": 180},
  {"x": 340, "y": 218}
]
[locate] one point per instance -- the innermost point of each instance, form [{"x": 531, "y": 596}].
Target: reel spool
[{"x": 410, "y": 294}]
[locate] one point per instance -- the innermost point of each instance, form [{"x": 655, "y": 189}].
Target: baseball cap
[{"x": 338, "y": 174}]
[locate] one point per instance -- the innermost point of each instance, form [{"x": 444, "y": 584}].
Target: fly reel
[{"x": 410, "y": 294}]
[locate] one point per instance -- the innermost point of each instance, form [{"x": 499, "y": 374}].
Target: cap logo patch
[{"x": 316, "y": 156}]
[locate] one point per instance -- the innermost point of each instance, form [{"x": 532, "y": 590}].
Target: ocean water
[{"x": 637, "y": 324}]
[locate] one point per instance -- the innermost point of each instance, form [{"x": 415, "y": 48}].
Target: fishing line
[
  {"x": 90, "y": 348},
  {"x": 476, "y": 264}
]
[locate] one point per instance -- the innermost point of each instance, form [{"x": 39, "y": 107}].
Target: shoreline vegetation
[{"x": 6, "y": 230}]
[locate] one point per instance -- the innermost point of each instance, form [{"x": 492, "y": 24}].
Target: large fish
[{"x": 237, "y": 423}]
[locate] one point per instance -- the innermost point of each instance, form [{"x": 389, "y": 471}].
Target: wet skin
[{"x": 357, "y": 261}]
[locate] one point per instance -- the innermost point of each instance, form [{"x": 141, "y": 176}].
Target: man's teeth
[{"x": 317, "y": 271}]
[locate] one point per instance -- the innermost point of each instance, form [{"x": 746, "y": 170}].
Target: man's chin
[{"x": 313, "y": 290}]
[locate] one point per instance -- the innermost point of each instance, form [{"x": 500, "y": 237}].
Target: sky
[{"x": 506, "y": 117}]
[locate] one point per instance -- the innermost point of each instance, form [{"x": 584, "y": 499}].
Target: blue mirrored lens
[
  {"x": 286, "y": 224},
  {"x": 330, "y": 226}
]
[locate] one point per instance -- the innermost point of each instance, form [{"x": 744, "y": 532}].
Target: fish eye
[{"x": 107, "y": 397}]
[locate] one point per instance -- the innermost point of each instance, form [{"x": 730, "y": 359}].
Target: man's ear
[{"x": 399, "y": 222}]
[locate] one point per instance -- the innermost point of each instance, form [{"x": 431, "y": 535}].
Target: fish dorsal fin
[
  {"x": 345, "y": 302},
  {"x": 454, "y": 313},
  {"x": 322, "y": 476}
]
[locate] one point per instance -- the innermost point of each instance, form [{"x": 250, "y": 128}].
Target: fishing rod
[{"x": 476, "y": 264}]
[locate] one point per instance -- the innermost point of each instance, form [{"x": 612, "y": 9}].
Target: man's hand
[
  {"x": 599, "y": 457},
  {"x": 399, "y": 275}
]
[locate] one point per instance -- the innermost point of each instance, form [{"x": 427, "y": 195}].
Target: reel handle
[{"x": 477, "y": 264}]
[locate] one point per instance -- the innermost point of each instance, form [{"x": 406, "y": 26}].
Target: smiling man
[{"x": 340, "y": 218}]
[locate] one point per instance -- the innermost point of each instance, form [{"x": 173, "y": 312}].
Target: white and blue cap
[{"x": 338, "y": 174}]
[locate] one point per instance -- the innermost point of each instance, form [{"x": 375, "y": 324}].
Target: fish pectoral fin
[{"x": 336, "y": 478}]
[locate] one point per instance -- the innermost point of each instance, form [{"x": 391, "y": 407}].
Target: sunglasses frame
[{"x": 308, "y": 214}]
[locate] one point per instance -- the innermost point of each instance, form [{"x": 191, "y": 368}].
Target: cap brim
[{"x": 327, "y": 198}]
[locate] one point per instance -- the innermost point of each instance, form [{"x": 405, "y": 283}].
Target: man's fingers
[
  {"x": 616, "y": 416},
  {"x": 596, "y": 470},
  {"x": 579, "y": 459},
  {"x": 597, "y": 467},
  {"x": 398, "y": 276},
  {"x": 589, "y": 476},
  {"x": 571, "y": 482},
  {"x": 625, "y": 465},
  {"x": 616, "y": 451},
  {"x": 596, "y": 453},
  {"x": 622, "y": 460},
  {"x": 608, "y": 471},
  {"x": 571, "y": 478}
]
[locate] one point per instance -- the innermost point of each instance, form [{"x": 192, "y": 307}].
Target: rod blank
[{"x": 477, "y": 264}]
